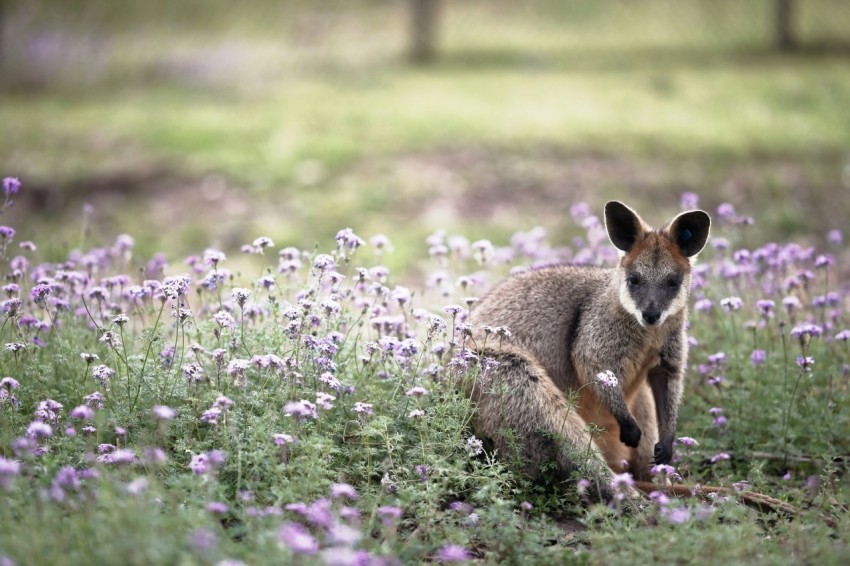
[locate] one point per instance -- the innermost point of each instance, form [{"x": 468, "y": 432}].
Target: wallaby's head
[{"x": 654, "y": 273}]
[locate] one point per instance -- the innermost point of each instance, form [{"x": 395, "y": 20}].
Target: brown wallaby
[{"x": 550, "y": 393}]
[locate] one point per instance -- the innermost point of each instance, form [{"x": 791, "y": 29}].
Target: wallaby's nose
[{"x": 651, "y": 317}]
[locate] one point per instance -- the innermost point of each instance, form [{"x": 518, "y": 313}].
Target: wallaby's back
[{"x": 543, "y": 309}]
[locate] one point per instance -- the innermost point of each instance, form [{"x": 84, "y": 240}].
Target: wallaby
[{"x": 568, "y": 325}]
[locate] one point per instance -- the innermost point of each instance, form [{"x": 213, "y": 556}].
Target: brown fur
[{"x": 568, "y": 324}]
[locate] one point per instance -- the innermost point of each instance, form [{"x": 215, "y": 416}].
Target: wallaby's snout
[{"x": 651, "y": 315}]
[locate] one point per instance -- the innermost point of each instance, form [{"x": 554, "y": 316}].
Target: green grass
[
  {"x": 191, "y": 125},
  {"x": 306, "y": 121},
  {"x": 785, "y": 428}
]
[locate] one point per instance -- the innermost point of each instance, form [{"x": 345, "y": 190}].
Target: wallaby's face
[{"x": 654, "y": 273}]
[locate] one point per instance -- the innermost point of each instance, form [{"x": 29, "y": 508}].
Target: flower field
[{"x": 266, "y": 405}]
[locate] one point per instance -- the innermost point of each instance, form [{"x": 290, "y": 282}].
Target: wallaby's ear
[
  {"x": 623, "y": 225},
  {"x": 690, "y": 231}
]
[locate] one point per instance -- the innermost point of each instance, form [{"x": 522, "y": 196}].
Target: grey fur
[{"x": 568, "y": 324}]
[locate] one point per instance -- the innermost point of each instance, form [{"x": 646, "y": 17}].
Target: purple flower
[
  {"x": 474, "y": 446},
  {"x": 791, "y": 303},
  {"x": 121, "y": 456},
  {"x": 200, "y": 464},
  {"x": 416, "y": 392},
  {"x": 389, "y": 514},
  {"x": 203, "y": 539},
  {"x": 676, "y": 515},
  {"x": 806, "y": 330},
  {"x": 526, "y": 506},
  {"x": 301, "y": 410},
  {"x": 11, "y": 185},
  {"x": 95, "y": 400},
  {"x": 163, "y": 413},
  {"x": 213, "y": 257},
  {"x": 758, "y": 357},
  {"x": 582, "y": 486},
  {"x": 824, "y": 260},
  {"x": 193, "y": 372},
  {"x": 689, "y": 201},
  {"x": 48, "y": 411},
  {"x": 154, "y": 456},
  {"x": 663, "y": 470},
  {"x": 298, "y": 539},
  {"x": 211, "y": 415},
  {"x": 339, "y": 490},
  {"x": 39, "y": 292},
  {"x": 325, "y": 400},
  {"x": 704, "y": 305},
  {"x": 843, "y": 336},
  {"x": 363, "y": 408},
  {"x": 216, "y": 457},
  {"x": 347, "y": 239},
  {"x": 726, "y": 211},
  {"x": 38, "y": 429},
  {"x": 102, "y": 374},
  {"x": 8, "y": 470},
  {"x": 7, "y": 232},
  {"x": 805, "y": 363},
  {"x": 344, "y": 535},
  {"x": 83, "y": 412},
  {"x": 765, "y": 307},
  {"x": 620, "y": 481},
  {"x": 261, "y": 243},
  {"x": 319, "y": 513},
  {"x": 731, "y": 304},
  {"x": 282, "y": 439},
  {"x": 422, "y": 470},
  {"x": 659, "y": 498},
  {"x": 717, "y": 359},
  {"x": 322, "y": 263},
  {"x": 105, "y": 448},
  {"x": 607, "y": 379},
  {"x": 452, "y": 553},
  {"x": 217, "y": 507},
  {"x": 835, "y": 237},
  {"x": 454, "y": 310},
  {"x": 241, "y": 296},
  {"x": 720, "y": 456}
]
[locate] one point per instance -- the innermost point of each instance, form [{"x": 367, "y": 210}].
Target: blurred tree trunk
[
  {"x": 785, "y": 39},
  {"x": 2, "y": 35},
  {"x": 423, "y": 29}
]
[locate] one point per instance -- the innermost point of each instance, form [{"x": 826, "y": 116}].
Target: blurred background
[{"x": 198, "y": 123}]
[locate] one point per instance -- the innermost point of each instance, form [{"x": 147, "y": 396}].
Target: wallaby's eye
[
  {"x": 672, "y": 282},
  {"x": 633, "y": 280}
]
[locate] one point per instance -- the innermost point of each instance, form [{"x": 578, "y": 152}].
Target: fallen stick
[{"x": 759, "y": 501}]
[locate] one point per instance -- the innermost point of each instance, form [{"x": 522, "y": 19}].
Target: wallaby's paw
[
  {"x": 664, "y": 452},
  {"x": 630, "y": 433}
]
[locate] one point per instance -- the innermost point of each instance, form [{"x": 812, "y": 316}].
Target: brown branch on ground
[{"x": 759, "y": 501}]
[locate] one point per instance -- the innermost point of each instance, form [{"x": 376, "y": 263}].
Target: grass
[
  {"x": 205, "y": 444},
  {"x": 312, "y": 129},
  {"x": 208, "y": 128}
]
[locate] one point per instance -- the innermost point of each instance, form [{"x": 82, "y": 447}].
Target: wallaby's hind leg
[
  {"x": 642, "y": 457},
  {"x": 519, "y": 396}
]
